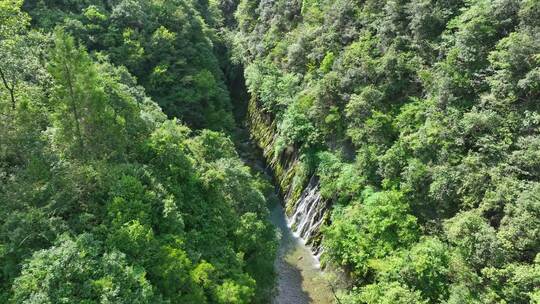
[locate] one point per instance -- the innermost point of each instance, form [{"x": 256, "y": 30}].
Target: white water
[{"x": 308, "y": 215}]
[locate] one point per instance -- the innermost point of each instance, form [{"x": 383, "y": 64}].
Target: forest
[{"x": 120, "y": 175}]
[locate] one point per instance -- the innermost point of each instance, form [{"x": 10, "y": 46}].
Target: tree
[
  {"x": 17, "y": 56},
  {"x": 384, "y": 293},
  {"x": 86, "y": 93},
  {"x": 519, "y": 233},
  {"x": 475, "y": 241},
  {"x": 369, "y": 230},
  {"x": 424, "y": 268},
  {"x": 78, "y": 270}
]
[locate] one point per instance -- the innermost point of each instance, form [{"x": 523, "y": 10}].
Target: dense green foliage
[
  {"x": 103, "y": 199},
  {"x": 422, "y": 120},
  {"x": 167, "y": 45}
]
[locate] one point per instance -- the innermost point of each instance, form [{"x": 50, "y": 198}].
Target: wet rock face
[{"x": 306, "y": 209}]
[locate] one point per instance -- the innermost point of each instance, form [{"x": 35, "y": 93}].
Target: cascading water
[{"x": 308, "y": 215}]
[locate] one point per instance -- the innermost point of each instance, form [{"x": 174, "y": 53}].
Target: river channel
[{"x": 300, "y": 279}]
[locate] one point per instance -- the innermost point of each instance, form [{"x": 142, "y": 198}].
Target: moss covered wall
[{"x": 289, "y": 172}]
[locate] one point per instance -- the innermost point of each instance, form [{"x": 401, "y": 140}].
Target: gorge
[
  {"x": 300, "y": 279},
  {"x": 269, "y": 151}
]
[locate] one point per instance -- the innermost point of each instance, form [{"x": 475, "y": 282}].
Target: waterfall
[{"x": 308, "y": 215}]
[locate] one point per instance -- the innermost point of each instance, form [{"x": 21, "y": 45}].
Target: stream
[{"x": 300, "y": 279}]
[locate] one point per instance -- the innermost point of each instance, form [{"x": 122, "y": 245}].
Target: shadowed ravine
[{"x": 299, "y": 277}]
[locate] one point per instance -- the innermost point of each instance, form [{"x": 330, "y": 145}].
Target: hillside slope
[{"x": 421, "y": 121}]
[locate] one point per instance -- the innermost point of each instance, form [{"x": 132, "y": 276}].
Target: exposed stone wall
[{"x": 295, "y": 184}]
